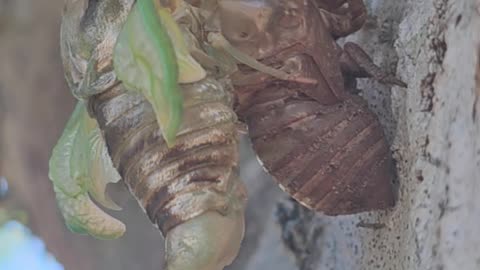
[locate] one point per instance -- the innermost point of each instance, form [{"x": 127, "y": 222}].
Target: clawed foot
[{"x": 356, "y": 62}]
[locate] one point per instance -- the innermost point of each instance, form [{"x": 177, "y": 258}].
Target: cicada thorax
[
  {"x": 331, "y": 156},
  {"x": 196, "y": 175}
]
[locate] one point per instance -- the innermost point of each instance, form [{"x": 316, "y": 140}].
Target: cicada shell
[
  {"x": 320, "y": 142},
  {"x": 331, "y": 158}
]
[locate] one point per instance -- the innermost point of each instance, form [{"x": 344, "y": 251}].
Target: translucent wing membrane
[
  {"x": 80, "y": 167},
  {"x": 151, "y": 57},
  {"x": 85, "y": 217}
]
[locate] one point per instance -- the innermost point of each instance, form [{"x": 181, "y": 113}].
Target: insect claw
[{"x": 393, "y": 80}]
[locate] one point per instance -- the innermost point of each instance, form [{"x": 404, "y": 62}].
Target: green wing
[
  {"x": 80, "y": 167},
  {"x": 151, "y": 57}
]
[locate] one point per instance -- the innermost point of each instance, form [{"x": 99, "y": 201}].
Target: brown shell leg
[
  {"x": 355, "y": 62},
  {"x": 341, "y": 20}
]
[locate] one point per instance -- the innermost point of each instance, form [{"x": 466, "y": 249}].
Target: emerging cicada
[{"x": 174, "y": 146}]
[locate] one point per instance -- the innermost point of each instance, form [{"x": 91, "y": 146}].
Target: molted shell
[
  {"x": 321, "y": 143},
  {"x": 330, "y": 157},
  {"x": 333, "y": 159}
]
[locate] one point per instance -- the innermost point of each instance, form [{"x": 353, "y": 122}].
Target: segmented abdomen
[
  {"x": 332, "y": 158},
  {"x": 196, "y": 175}
]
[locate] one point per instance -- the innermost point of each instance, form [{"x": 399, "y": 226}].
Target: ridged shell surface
[{"x": 331, "y": 157}]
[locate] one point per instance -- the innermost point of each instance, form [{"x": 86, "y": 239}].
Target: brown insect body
[
  {"x": 320, "y": 142},
  {"x": 192, "y": 190}
]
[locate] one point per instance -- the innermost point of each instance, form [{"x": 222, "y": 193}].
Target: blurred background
[{"x": 35, "y": 104}]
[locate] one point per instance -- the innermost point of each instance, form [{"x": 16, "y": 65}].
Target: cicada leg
[
  {"x": 356, "y": 63},
  {"x": 343, "y": 20}
]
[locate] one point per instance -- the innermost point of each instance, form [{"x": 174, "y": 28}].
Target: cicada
[
  {"x": 161, "y": 88},
  {"x": 152, "y": 115},
  {"x": 319, "y": 141}
]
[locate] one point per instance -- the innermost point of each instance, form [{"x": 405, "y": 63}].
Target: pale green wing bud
[
  {"x": 79, "y": 166},
  {"x": 151, "y": 57}
]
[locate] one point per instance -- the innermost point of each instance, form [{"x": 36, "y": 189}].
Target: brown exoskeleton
[{"x": 319, "y": 141}]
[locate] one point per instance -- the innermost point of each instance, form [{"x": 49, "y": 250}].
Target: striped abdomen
[
  {"x": 174, "y": 184},
  {"x": 331, "y": 157}
]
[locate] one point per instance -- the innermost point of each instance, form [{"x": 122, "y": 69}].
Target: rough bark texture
[{"x": 434, "y": 130}]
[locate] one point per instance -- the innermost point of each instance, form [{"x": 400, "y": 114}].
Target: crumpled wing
[
  {"x": 151, "y": 57},
  {"x": 189, "y": 70},
  {"x": 80, "y": 167},
  {"x": 102, "y": 171},
  {"x": 85, "y": 217}
]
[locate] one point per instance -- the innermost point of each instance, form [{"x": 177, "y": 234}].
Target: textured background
[{"x": 433, "y": 127}]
